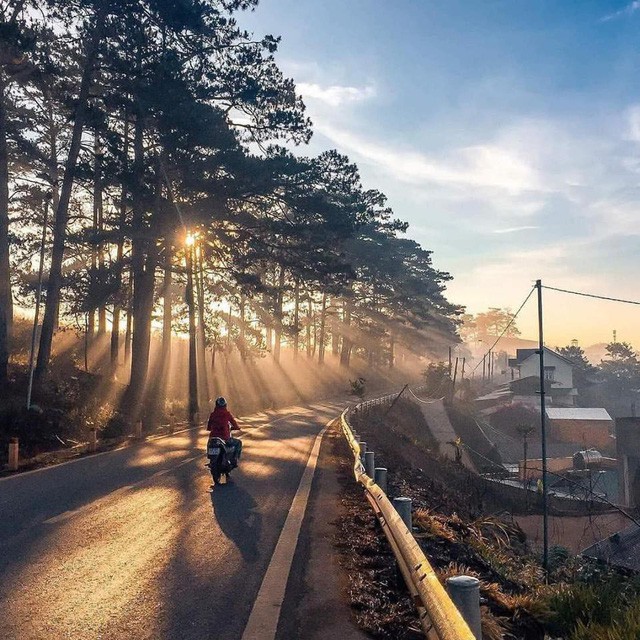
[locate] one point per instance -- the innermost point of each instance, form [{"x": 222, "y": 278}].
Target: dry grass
[
  {"x": 493, "y": 627},
  {"x": 434, "y": 525}
]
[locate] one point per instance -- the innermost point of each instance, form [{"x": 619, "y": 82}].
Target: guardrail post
[
  {"x": 380, "y": 477},
  {"x": 363, "y": 450},
  {"x": 403, "y": 507},
  {"x": 93, "y": 440},
  {"x": 13, "y": 454},
  {"x": 465, "y": 593},
  {"x": 369, "y": 463},
  {"x": 357, "y": 437}
]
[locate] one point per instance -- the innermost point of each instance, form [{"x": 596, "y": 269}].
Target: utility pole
[{"x": 543, "y": 431}]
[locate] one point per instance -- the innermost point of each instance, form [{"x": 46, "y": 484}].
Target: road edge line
[{"x": 265, "y": 613}]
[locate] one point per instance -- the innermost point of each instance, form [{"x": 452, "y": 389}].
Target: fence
[{"x": 439, "y": 617}]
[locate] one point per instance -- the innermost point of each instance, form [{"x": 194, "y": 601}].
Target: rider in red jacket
[{"x": 218, "y": 425}]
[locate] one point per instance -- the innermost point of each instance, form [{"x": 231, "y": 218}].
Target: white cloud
[
  {"x": 335, "y": 95},
  {"x": 484, "y": 165},
  {"x": 627, "y": 11},
  {"x": 633, "y": 122},
  {"x": 516, "y": 229}
]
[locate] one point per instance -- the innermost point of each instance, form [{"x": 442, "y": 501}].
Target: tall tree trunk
[
  {"x": 128, "y": 331},
  {"x": 201, "y": 345},
  {"x": 167, "y": 300},
  {"x": 243, "y": 328},
  {"x": 143, "y": 264},
  {"x": 279, "y": 315},
  {"x": 347, "y": 343},
  {"x": 335, "y": 333},
  {"x": 54, "y": 283},
  {"x": 115, "y": 328},
  {"x": 323, "y": 322},
  {"x": 296, "y": 320},
  {"x": 97, "y": 195},
  {"x": 193, "y": 372},
  {"x": 95, "y": 222},
  {"x": 309, "y": 313},
  {"x": 54, "y": 177},
  {"x": 91, "y": 324},
  {"x": 227, "y": 350},
  {"x": 268, "y": 328},
  {"x": 6, "y": 300}
]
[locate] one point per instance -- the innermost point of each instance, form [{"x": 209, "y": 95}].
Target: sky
[{"x": 506, "y": 132}]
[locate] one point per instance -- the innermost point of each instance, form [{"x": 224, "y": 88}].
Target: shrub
[
  {"x": 358, "y": 387},
  {"x": 437, "y": 379}
]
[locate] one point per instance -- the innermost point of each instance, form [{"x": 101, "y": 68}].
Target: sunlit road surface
[{"x": 134, "y": 544}]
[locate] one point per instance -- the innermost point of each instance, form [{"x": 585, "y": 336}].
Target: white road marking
[{"x": 263, "y": 621}]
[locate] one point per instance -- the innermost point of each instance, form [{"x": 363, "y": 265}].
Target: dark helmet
[{"x": 221, "y": 402}]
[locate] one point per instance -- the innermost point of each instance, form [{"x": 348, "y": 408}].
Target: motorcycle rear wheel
[{"x": 215, "y": 472}]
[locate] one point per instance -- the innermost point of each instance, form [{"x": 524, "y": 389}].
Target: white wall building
[{"x": 558, "y": 373}]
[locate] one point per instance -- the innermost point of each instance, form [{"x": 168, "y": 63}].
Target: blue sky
[{"x": 507, "y": 133}]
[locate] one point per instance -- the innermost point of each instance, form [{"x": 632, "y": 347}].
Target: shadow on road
[{"x": 235, "y": 512}]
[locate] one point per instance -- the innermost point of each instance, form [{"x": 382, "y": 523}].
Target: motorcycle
[{"x": 222, "y": 459}]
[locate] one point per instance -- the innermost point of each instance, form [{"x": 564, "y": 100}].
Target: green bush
[
  {"x": 590, "y": 605},
  {"x": 626, "y": 626}
]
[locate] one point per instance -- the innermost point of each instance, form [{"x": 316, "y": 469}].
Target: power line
[
  {"x": 590, "y": 295},
  {"x": 515, "y": 315},
  {"x": 415, "y": 397}
]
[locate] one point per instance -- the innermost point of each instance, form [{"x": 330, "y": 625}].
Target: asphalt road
[{"x": 134, "y": 543}]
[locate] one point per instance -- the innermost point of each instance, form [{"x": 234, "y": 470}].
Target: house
[
  {"x": 558, "y": 375},
  {"x": 585, "y": 427},
  {"x": 620, "y": 550},
  {"x": 628, "y": 454}
]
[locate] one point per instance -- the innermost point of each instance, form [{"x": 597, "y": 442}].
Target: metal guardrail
[
  {"x": 439, "y": 617},
  {"x": 389, "y": 397}
]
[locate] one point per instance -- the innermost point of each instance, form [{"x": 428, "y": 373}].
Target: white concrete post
[
  {"x": 403, "y": 507},
  {"x": 363, "y": 451},
  {"x": 465, "y": 594},
  {"x": 369, "y": 463},
  {"x": 13, "y": 454},
  {"x": 380, "y": 477},
  {"x": 93, "y": 440}
]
